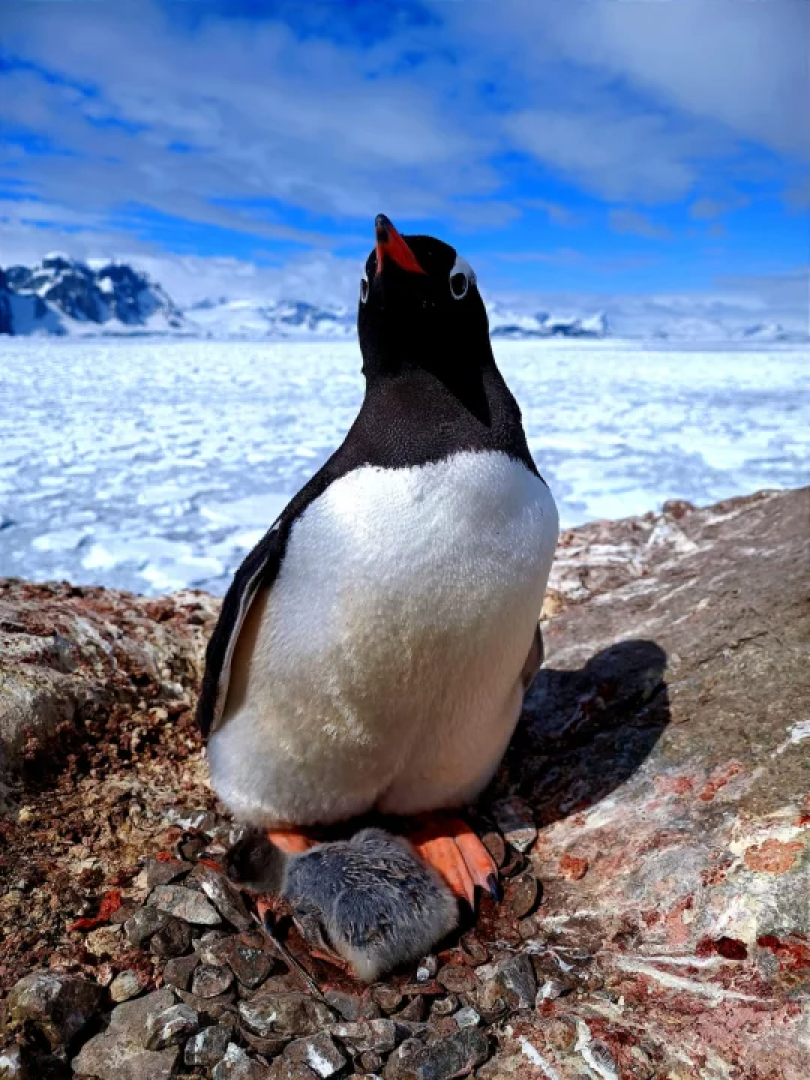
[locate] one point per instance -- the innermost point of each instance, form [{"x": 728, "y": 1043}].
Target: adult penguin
[{"x": 373, "y": 649}]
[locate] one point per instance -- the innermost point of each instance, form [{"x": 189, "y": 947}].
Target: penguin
[
  {"x": 369, "y": 899},
  {"x": 373, "y": 650}
]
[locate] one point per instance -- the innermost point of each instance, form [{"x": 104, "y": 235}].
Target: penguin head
[{"x": 419, "y": 307}]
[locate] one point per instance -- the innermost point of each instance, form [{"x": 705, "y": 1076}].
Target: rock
[
  {"x": 473, "y": 951},
  {"x": 171, "y": 1027},
  {"x": 387, "y": 997},
  {"x": 457, "y": 979},
  {"x": 415, "y": 1010},
  {"x": 173, "y": 939},
  {"x": 444, "y": 1006},
  {"x": 494, "y": 843},
  {"x": 353, "y": 1006},
  {"x": 236, "y": 1065},
  {"x": 250, "y": 964},
  {"x": 317, "y": 1052},
  {"x": 120, "y": 1053},
  {"x": 222, "y": 1007},
  {"x": 164, "y": 872},
  {"x": 285, "y": 1014},
  {"x": 399, "y": 1060},
  {"x": 185, "y": 904},
  {"x": 456, "y": 1056},
  {"x": 208, "y": 1046},
  {"x": 467, "y": 1017},
  {"x": 522, "y": 894},
  {"x": 370, "y": 1061},
  {"x": 290, "y": 1070},
  {"x": 125, "y": 985},
  {"x": 15, "y": 1064},
  {"x": 56, "y": 1005},
  {"x": 144, "y": 923},
  {"x": 380, "y": 1035},
  {"x": 179, "y": 969},
  {"x": 427, "y": 968},
  {"x": 516, "y": 976},
  {"x": 210, "y": 981},
  {"x": 516, "y": 821},
  {"x": 226, "y": 898},
  {"x": 103, "y": 942}
]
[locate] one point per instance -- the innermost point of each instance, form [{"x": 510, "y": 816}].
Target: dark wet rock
[
  {"x": 236, "y": 1064},
  {"x": 173, "y": 939},
  {"x": 57, "y": 1006},
  {"x": 457, "y": 979},
  {"x": 120, "y": 1053},
  {"x": 516, "y": 821},
  {"x": 285, "y": 1014},
  {"x": 171, "y": 1027},
  {"x": 208, "y": 1046},
  {"x": 222, "y": 1007},
  {"x": 522, "y": 895},
  {"x": 209, "y": 981},
  {"x": 126, "y": 985},
  {"x": 319, "y": 1053},
  {"x": 401, "y": 1058},
  {"x": 353, "y": 1007},
  {"x": 179, "y": 969},
  {"x": 164, "y": 872},
  {"x": 185, "y": 904},
  {"x": 144, "y": 923},
  {"x": 415, "y": 1010},
  {"x": 447, "y": 1059},
  {"x": 225, "y": 897},
  {"x": 251, "y": 965}
]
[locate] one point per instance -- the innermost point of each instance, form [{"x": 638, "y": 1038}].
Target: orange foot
[
  {"x": 292, "y": 842},
  {"x": 450, "y": 846}
]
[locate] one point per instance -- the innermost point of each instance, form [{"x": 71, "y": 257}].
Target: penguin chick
[{"x": 378, "y": 903}]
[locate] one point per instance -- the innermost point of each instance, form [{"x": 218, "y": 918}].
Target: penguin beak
[{"x": 390, "y": 245}]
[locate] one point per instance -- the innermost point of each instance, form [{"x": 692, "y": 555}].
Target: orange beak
[{"x": 390, "y": 245}]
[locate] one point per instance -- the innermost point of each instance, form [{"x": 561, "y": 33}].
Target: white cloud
[{"x": 636, "y": 223}]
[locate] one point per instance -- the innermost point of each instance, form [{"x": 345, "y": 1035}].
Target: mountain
[
  {"x": 505, "y": 324},
  {"x": 62, "y": 296},
  {"x": 224, "y": 318}
]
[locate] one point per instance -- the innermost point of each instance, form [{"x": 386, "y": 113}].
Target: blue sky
[{"x": 573, "y": 149}]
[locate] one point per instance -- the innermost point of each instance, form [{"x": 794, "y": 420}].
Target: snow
[{"x": 154, "y": 464}]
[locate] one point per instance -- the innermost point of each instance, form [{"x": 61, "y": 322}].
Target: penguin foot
[
  {"x": 290, "y": 841},
  {"x": 450, "y": 846}
]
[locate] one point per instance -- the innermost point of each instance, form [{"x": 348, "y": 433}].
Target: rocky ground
[{"x": 651, "y": 819}]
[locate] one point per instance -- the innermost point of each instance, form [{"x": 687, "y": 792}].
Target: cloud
[
  {"x": 559, "y": 214},
  {"x": 633, "y": 221}
]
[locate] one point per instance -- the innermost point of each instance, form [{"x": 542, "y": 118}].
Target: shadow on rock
[{"x": 584, "y": 733}]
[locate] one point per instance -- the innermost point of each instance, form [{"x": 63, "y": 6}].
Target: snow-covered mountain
[
  {"x": 62, "y": 296},
  {"x": 506, "y": 324},
  {"x": 224, "y": 318}
]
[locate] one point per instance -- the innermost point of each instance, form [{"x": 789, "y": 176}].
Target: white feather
[{"x": 383, "y": 668}]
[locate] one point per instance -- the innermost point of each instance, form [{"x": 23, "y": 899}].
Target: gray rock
[
  {"x": 171, "y": 1027},
  {"x": 467, "y": 1017},
  {"x": 225, "y": 897},
  {"x": 14, "y": 1064},
  {"x": 317, "y": 1052},
  {"x": 210, "y": 981},
  {"x": 236, "y": 1065},
  {"x": 401, "y": 1058},
  {"x": 515, "y": 820},
  {"x": 208, "y": 1046},
  {"x": 173, "y": 939},
  {"x": 353, "y": 1007},
  {"x": 59, "y": 1006},
  {"x": 516, "y": 976},
  {"x": 120, "y": 1053},
  {"x": 457, "y": 979},
  {"x": 144, "y": 923},
  {"x": 125, "y": 985},
  {"x": 285, "y": 1014},
  {"x": 428, "y": 966},
  {"x": 250, "y": 965},
  {"x": 290, "y": 1070},
  {"x": 381, "y": 1035},
  {"x": 185, "y": 904},
  {"x": 445, "y": 1059},
  {"x": 212, "y": 946},
  {"x": 178, "y": 971},
  {"x": 163, "y": 873}
]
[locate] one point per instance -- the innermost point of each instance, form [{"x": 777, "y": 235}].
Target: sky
[{"x": 636, "y": 149}]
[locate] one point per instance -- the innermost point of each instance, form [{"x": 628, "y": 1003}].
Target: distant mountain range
[{"x": 63, "y": 296}]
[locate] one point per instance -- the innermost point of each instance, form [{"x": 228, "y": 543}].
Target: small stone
[
  {"x": 212, "y": 946},
  {"x": 400, "y": 1059},
  {"x": 210, "y": 981},
  {"x": 171, "y": 1027},
  {"x": 522, "y": 895},
  {"x": 457, "y": 979},
  {"x": 285, "y": 1014},
  {"x": 163, "y": 873},
  {"x": 318, "y": 1052},
  {"x": 185, "y": 904},
  {"x": 528, "y": 928},
  {"x": 440, "y": 1028},
  {"x": 208, "y": 1046},
  {"x": 517, "y": 977},
  {"x": 560, "y": 1033},
  {"x": 491, "y": 1000},
  {"x": 120, "y": 1051},
  {"x": 220, "y": 1008},
  {"x": 125, "y": 985},
  {"x": 427, "y": 968},
  {"x": 387, "y": 997},
  {"x": 415, "y": 1010},
  {"x": 290, "y": 1070},
  {"x": 226, "y": 898},
  {"x": 494, "y": 843},
  {"x": 178, "y": 970},
  {"x": 380, "y": 1035},
  {"x": 269, "y": 1047},
  {"x": 144, "y": 923},
  {"x": 370, "y": 1061},
  {"x": 456, "y": 1056},
  {"x": 550, "y": 990},
  {"x": 236, "y": 1065},
  {"x": 352, "y": 1007},
  {"x": 467, "y": 1017},
  {"x": 15, "y": 1064},
  {"x": 249, "y": 964},
  {"x": 105, "y": 941},
  {"x": 59, "y": 1006},
  {"x": 444, "y": 1006},
  {"x": 172, "y": 940},
  {"x": 516, "y": 821},
  {"x": 473, "y": 950}
]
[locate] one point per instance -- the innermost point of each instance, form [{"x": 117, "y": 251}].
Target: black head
[{"x": 420, "y": 308}]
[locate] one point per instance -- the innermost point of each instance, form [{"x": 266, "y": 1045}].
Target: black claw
[{"x": 494, "y": 886}]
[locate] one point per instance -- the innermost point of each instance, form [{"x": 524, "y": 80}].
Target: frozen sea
[{"x": 153, "y": 464}]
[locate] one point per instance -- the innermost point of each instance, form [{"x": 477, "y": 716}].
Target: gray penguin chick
[{"x": 378, "y": 903}]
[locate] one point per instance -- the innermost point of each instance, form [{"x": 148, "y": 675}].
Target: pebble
[
  {"x": 58, "y": 1006},
  {"x": 457, "y": 979},
  {"x": 236, "y": 1065},
  {"x": 380, "y": 1035},
  {"x": 456, "y": 1056},
  {"x": 516, "y": 975},
  {"x": 125, "y": 985},
  {"x": 121, "y": 1051},
  {"x": 208, "y": 1046},
  {"x": 319, "y": 1052},
  {"x": 285, "y": 1014},
  {"x": 171, "y": 1027},
  {"x": 560, "y": 1033},
  {"x": 467, "y": 1017},
  {"x": 387, "y": 997},
  {"x": 522, "y": 895},
  {"x": 163, "y": 873},
  {"x": 145, "y": 922},
  {"x": 171, "y": 940},
  {"x": 249, "y": 964},
  {"x": 370, "y": 1061},
  {"x": 415, "y": 1010},
  {"x": 225, "y": 897},
  {"x": 444, "y": 1006},
  {"x": 185, "y": 904},
  {"x": 427, "y": 968},
  {"x": 515, "y": 820},
  {"x": 494, "y": 843},
  {"x": 105, "y": 941},
  {"x": 179, "y": 969},
  {"x": 399, "y": 1060},
  {"x": 353, "y": 1006},
  {"x": 473, "y": 951},
  {"x": 210, "y": 981}
]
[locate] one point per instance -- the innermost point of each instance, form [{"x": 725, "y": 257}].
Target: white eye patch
[{"x": 461, "y": 277}]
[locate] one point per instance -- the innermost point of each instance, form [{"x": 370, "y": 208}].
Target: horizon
[{"x": 626, "y": 155}]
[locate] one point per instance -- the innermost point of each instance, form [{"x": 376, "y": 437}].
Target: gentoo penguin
[
  {"x": 370, "y": 898},
  {"x": 373, "y": 649}
]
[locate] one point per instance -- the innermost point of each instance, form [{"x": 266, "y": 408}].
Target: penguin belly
[{"x": 383, "y": 668}]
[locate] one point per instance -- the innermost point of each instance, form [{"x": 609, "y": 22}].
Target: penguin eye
[
  {"x": 459, "y": 283},
  {"x": 363, "y": 289}
]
